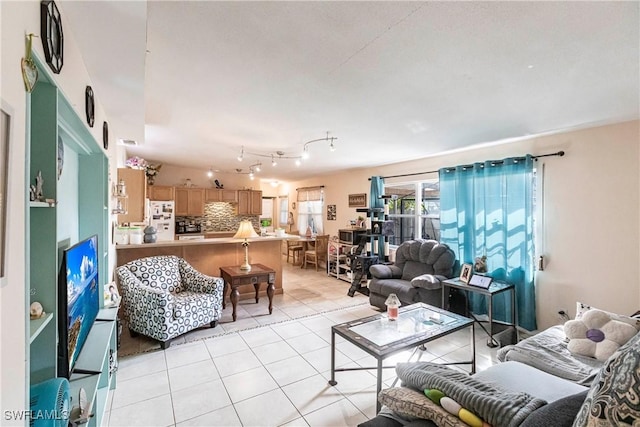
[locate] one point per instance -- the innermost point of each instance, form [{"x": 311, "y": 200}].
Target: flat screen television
[{"x": 78, "y": 301}]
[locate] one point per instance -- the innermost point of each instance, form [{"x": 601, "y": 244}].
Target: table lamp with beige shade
[{"x": 245, "y": 231}]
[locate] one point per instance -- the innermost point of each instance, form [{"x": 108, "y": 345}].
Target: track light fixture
[
  {"x": 331, "y": 139},
  {"x": 277, "y": 155},
  {"x": 256, "y": 167}
]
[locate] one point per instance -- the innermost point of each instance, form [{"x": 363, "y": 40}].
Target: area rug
[{"x": 130, "y": 346}]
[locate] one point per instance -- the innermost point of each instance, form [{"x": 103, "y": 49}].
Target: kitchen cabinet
[
  {"x": 221, "y": 195},
  {"x": 135, "y": 181},
  {"x": 189, "y": 201},
  {"x": 160, "y": 192},
  {"x": 249, "y": 202}
]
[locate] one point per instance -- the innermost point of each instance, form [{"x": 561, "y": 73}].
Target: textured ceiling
[{"x": 194, "y": 82}]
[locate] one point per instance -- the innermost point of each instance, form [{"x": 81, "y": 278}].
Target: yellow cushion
[{"x": 469, "y": 418}]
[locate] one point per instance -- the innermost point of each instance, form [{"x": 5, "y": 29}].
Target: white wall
[
  {"x": 17, "y": 19},
  {"x": 592, "y": 216}
]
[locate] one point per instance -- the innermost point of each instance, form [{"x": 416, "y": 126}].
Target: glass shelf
[{"x": 37, "y": 325}]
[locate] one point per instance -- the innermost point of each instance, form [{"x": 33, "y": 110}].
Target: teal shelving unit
[{"x": 51, "y": 120}]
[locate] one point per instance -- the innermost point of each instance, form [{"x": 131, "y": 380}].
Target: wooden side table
[{"x": 235, "y": 277}]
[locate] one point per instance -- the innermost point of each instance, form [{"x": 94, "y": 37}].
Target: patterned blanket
[{"x": 496, "y": 406}]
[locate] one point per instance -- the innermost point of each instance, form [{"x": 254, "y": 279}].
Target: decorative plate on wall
[
  {"x": 89, "y": 105},
  {"x": 51, "y": 33},
  {"x": 105, "y": 135}
]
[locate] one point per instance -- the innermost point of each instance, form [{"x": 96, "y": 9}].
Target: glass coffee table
[{"x": 417, "y": 324}]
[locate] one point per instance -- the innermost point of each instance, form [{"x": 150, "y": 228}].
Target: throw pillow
[
  {"x": 597, "y": 335},
  {"x": 426, "y": 281},
  {"x": 412, "y": 403},
  {"x": 560, "y": 413},
  {"x": 581, "y": 309},
  {"x": 613, "y": 399}
]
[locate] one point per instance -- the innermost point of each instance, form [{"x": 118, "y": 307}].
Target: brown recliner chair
[{"x": 420, "y": 266}]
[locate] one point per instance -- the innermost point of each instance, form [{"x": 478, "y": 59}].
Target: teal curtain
[
  {"x": 487, "y": 209},
  {"x": 377, "y": 191}
]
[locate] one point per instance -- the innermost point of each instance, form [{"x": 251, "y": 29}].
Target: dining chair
[
  {"x": 318, "y": 252},
  {"x": 294, "y": 249}
]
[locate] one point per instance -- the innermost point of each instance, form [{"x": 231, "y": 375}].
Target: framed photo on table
[{"x": 465, "y": 273}]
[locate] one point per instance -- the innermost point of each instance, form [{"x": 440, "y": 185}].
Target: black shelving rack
[{"x": 375, "y": 253}]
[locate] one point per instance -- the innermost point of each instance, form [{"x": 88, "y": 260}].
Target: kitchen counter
[
  {"x": 209, "y": 255},
  {"x": 207, "y": 241}
]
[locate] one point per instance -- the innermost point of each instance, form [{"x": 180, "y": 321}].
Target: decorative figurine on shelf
[
  {"x": 218, "y": 185},
  {"x": 480, "y": 265},
  {"x": 35, "y": 191}
]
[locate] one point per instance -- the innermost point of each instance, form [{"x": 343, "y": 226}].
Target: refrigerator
[{"x": 161, "y": 216}]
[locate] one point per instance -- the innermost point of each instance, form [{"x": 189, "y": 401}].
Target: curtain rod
[
  {"x": 310, "y": 188},
  {"x": 558, "y": 153}
]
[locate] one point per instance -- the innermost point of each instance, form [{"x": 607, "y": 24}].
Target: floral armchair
[{"x": 164, "y": 297}]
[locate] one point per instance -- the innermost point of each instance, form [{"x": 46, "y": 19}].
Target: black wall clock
[
  {"x": 51, "y": 33},
  {"x": 89, "y": 105},
  {"x": 105, "y": 135}
]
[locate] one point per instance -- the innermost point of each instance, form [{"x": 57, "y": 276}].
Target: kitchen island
[{"x": 209, "y": 255}]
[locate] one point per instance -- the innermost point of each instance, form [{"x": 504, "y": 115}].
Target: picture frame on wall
[
  {"x": 331, "y": 212},
  {"x": 358, "y": 200}
]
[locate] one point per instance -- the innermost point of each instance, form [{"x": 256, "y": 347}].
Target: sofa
[
  {"x": 415, "y": 276},
  {"x": 540, "y": 382}
]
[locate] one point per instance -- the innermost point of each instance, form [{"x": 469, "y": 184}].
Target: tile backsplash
[{"x": 219, "y": 216}]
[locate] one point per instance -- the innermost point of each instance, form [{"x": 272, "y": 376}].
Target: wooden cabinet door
[
  {"x": 136, "y": 188},
  {"x": 213, "y": 195},
  {"x": 160, "y": 192},
  {"x": 182, "y": 201},
  {"x": 230, "y": 196},
  {"x": 244, "y": 202},
  {"x": 249, "y": 202},
  {"x": 196, "y": 202},
  {"x": 256, "y": 203}
]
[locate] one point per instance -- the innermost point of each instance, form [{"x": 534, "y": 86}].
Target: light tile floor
[{"x": 268, "y": 370}]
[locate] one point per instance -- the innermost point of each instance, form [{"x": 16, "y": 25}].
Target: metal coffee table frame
[{"x": 413, "y": 340}]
